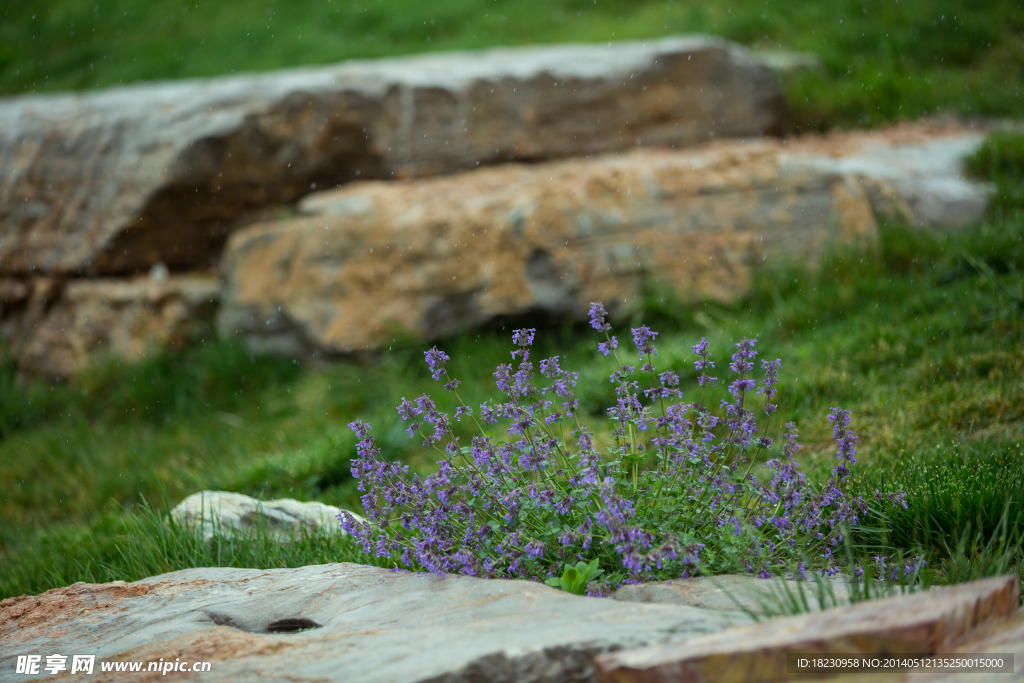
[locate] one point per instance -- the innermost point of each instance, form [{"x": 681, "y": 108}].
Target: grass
[
  {"x": 922, "y": 339},
  {"x": 148, "y": 542},
  {"x": 883, "y": 60}
]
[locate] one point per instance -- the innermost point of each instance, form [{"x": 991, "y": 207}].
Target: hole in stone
[{"x": 291, "y": 625}]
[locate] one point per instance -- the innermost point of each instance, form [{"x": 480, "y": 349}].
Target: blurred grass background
[
  {"x": 923, "y": 340},
  {"x": 883, "y": 60}
]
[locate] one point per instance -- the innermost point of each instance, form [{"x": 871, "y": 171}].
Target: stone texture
[
  {"x": 222, "y": 512},
  {"x": 920, "y": 623},
  {"x": 367, "y": 263},
  {"x": 114, "y": 181},
  {"x": 373, "y": 625},
  {"x": 57, "y": 327},
  {"x": 427, "y": 258},
  {"x": 739, "y": 593},
  {"x": 913, "y": 172}
]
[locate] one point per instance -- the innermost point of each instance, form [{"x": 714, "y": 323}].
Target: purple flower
[
  {"x": 540, "y": 494},
  {"x": 741, "y": 364},
  {"x": 607, "y": 347},
  {"x": 407, "y": 410},
  {"x": 643, "y": 338},
  {"x": 523, "y": 337},
  {"x": 535, "y": 549},
  {"x": 598, "y": 317},
  {"x": 702, "y": 363},
  {"x": 771, "y": 380},
  {"x": 435, "y": 361},
  {"x": 840, "y": 421}
]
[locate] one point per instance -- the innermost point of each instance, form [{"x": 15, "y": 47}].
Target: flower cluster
[{"x": 670, "y": 494}]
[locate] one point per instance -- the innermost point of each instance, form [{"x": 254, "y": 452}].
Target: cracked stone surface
[
  {"x": 370, "y": 625},
  {"x": 350, "y": 622}
]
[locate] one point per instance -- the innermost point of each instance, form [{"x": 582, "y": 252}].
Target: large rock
[
  {"x": 114, "y": 181},
  {"x": 372, "y": 261},
  {"x": 365, "y": 624},
  {"x": 344, "y": 622},
  {"x": 222, "y": 512},
  {"x": 56, "y": 328}
]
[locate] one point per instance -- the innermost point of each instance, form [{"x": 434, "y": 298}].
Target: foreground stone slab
[
  {"x": 56, "y": 328},
  {"x": 366, "y": 624},
  {"x": 920, "y": 623},
  {"x": 220, "y": 512},
  {"x": 114, "y": 181}
]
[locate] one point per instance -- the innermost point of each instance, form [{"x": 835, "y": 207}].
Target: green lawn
[
  {"x": 884, "y": 60},
  {"x": 923, "y": 340}
]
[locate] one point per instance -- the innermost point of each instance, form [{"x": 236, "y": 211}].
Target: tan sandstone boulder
[
  {"x": 115, "y": 181},
  {"x": 426, "y": 258},
  {"x": 368, "y": 263},
  {"x": 56, "y": 328}
]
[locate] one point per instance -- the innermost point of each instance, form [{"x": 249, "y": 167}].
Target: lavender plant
[{"x": 671, "y": 493}]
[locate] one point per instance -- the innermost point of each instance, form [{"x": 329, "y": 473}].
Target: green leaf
[{"x": 571, "y": 576}]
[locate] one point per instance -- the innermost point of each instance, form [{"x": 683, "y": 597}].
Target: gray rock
[
  {"x": 221, "y": 512},
  {"x": 365, "y": 624},
  {"x": 785, "y": 62},
  {"x": 923, "y": 182},
  {"x": 741, "y": 593},
  {"x": 115, "y": 181}
]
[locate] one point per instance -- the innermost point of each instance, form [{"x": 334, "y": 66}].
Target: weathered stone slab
[
  {"x": 371, "y": 625},
  {"x": 220, "y": 512},
  {"x": 114, "y": 181},
  {"x": 920, "y": 623},
  {"x": 57, "y": 327},
  {"x": 429, "y": 257}
]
